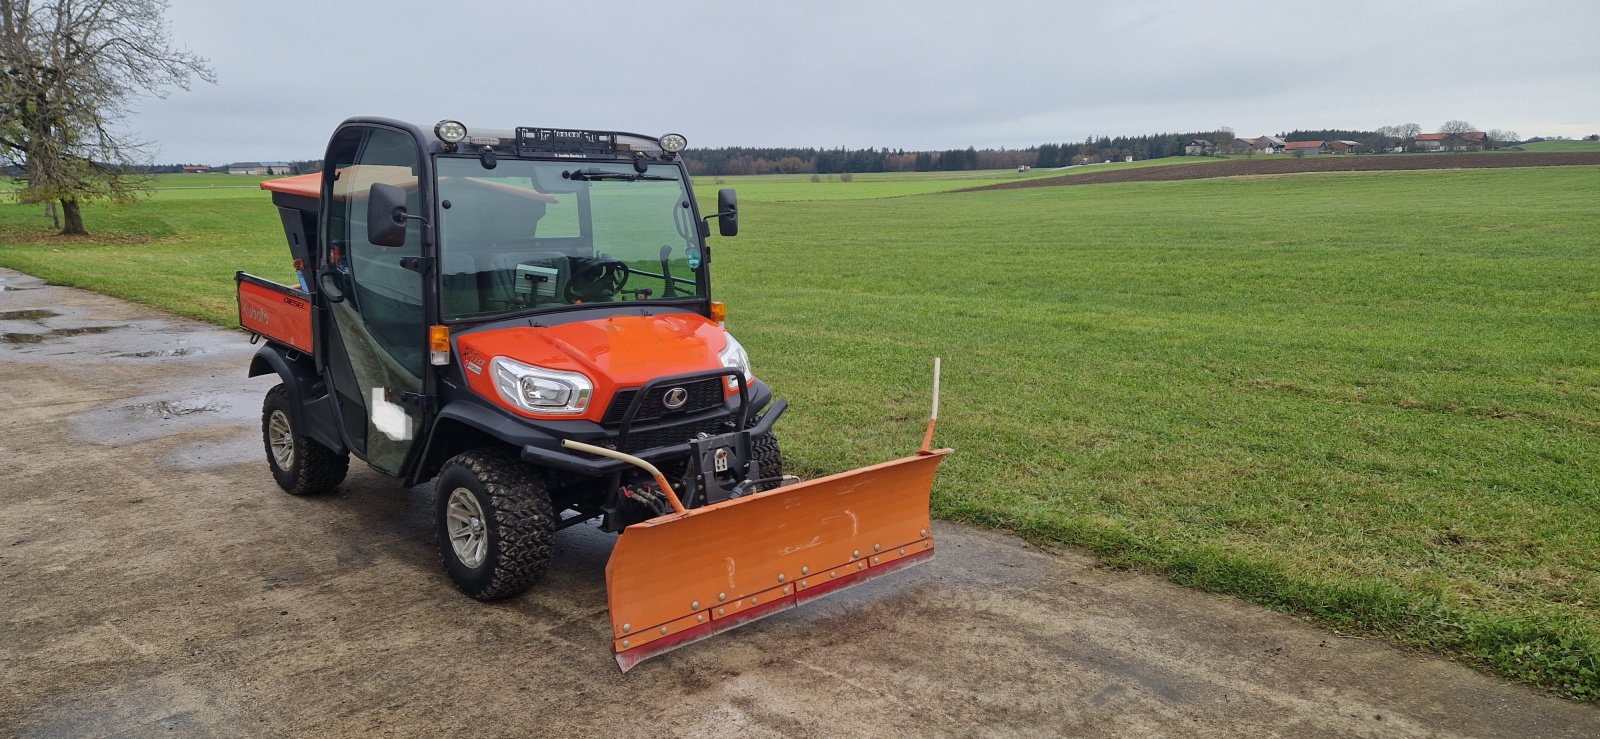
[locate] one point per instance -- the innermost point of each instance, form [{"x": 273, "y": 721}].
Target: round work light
[
  {"x": 673, "y": 142},
  {"x": 451, "y": 132}
]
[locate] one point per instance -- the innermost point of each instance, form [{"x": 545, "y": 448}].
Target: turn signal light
[
  {"x": 719, "y": 313},
  {"x": 439, "y": 345}
]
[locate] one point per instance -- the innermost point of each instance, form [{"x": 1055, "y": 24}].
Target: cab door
[{"x": 378, "y": 335}]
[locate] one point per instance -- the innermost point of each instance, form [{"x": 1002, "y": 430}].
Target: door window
[{"x": 380, "y": 322}]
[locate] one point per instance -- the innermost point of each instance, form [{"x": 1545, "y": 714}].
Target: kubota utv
[{"x": 525, "y": 317}]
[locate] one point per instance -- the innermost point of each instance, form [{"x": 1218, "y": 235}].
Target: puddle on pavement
[
  {"x": 181, "y": 352},
  {"x": 82, "y": 330},
  {"x": 33, "y": 314},
  {"x": 20, "y": 338},
  {"x": 170, "y": 408},
  {"x": 208, "y": 402}
]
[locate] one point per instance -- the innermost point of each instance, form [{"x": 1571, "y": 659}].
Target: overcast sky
[{"x": 914, "y": 75}]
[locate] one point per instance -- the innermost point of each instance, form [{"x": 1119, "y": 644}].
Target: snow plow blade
[{"x": 680, "y": 578}]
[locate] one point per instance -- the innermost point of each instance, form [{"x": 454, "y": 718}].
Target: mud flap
[{"x": 680, "y": 578}]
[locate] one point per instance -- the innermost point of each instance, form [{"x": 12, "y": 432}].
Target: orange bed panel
[
  {"x": 306, "y": 185},
  {"x": 278, "y": 312},
  {"x": 679, "y": 578}
]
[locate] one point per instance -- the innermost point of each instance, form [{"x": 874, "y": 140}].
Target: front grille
[
  {"x": 703, "y": 394},
  {"x": 639, "y": 441}
]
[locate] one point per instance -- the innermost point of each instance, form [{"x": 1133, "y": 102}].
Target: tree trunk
[{"x": 74, "y": 218}]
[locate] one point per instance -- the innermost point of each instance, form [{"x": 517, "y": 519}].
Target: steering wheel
[{"x": 596, "y": 280}]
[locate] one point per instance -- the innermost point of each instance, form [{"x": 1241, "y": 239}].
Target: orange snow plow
[{"x": 747, "y": 558}]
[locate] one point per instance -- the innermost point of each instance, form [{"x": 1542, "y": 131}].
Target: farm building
[
  {"x": 1269, "y": 144},
  {"x": 1241, "y": 146},
  {"x": 259, "y": 168},
  {"x": 195, "y": 169},
  {"x": 1198, "y": 147},
  {"x": 1342, "y": 147},
  {"x": 1464, "y": 141},
  {"x": 1306, "y": 147}
]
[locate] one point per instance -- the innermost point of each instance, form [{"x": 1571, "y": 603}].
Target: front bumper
[{"x": 561, "y": 459}]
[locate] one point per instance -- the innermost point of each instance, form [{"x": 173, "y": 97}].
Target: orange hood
[{"x": 615, "y": 353}]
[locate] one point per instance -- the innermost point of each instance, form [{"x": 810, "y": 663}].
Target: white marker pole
[{"x": 933, "y": 419}]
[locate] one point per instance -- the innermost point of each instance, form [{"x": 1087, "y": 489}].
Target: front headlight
[
  {"x": 735, "y": 356},
  {"x": 541, "y": 390}
]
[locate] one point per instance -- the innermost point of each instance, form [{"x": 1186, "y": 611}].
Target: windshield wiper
[{"x": 589, "y": 175}]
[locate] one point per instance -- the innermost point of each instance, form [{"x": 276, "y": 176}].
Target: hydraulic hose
[{"x": 661, "y": 480}]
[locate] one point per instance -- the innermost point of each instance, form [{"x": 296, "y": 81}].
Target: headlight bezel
[
  {"x": 734, "y": 356},
  {"x": 512, "y": 381}
]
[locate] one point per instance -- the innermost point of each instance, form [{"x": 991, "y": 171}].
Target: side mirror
[
  {"x": 727, "y": 212},
  {"x": 386, "y": 215}
]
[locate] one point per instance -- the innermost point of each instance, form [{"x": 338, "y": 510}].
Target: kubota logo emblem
[{"x": 675, "y": 398}]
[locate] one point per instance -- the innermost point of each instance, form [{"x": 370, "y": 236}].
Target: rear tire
[
  {"x": 300, "y": 465},
  {"x": 495, "y": 523}
]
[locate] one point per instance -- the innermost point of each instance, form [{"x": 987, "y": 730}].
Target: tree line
[
  {"x": 746, "y": 160},
  {"x": 743, "y": 160},
  {"x": 1103, "y": 148}
]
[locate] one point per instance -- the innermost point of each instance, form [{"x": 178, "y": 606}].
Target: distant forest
[{"x": 739, "y": 160}]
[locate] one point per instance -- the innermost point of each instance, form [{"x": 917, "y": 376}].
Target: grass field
[
  {"x": 1369, "y": 398},
  {"x": 1563, "y": 145}
]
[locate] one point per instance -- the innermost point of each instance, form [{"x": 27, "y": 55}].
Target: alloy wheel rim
[
  {"x": 464, "y": 524},
  {"x": 281, "y": 438}
]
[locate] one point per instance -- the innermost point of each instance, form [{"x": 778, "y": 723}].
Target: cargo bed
[{"x": 278, "y": 312}]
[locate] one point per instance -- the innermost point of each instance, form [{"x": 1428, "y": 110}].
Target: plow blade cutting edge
[{"x": 683, "y": 577}]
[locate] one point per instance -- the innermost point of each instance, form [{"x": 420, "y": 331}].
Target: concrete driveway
[{"x": 153, "y": 580}]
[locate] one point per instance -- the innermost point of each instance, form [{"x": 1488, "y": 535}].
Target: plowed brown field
[{"x": 1244, "y": 167}]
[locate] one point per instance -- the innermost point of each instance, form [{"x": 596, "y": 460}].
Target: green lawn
[
  {"x": 1368, "y": 398},
  {"x": 1563, "y": 145}
]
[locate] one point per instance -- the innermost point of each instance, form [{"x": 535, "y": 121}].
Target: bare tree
[
  {"x": 1503, "y": 137},
  {"x": 68, "y": 69},
  {"x": 1406, "y": 133},
  {"x": 1456, "y": 127},
  {"x": 1224, "y": 138}
]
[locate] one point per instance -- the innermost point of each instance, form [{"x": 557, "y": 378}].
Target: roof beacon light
[
  {"x": 673, "y": 142},
  {"x": 450, "y": 132}
]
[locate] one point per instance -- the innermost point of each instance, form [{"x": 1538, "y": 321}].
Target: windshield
[{"x": 538, "y": 234}]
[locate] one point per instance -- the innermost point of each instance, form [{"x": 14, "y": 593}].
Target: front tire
[
  {"x": 495, "y": 523},
  {"x": 299, "y": 464},
  {"x": 768, "y": 457}
]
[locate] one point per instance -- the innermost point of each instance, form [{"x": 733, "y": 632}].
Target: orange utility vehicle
[{"x": 525, "y": 317}]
